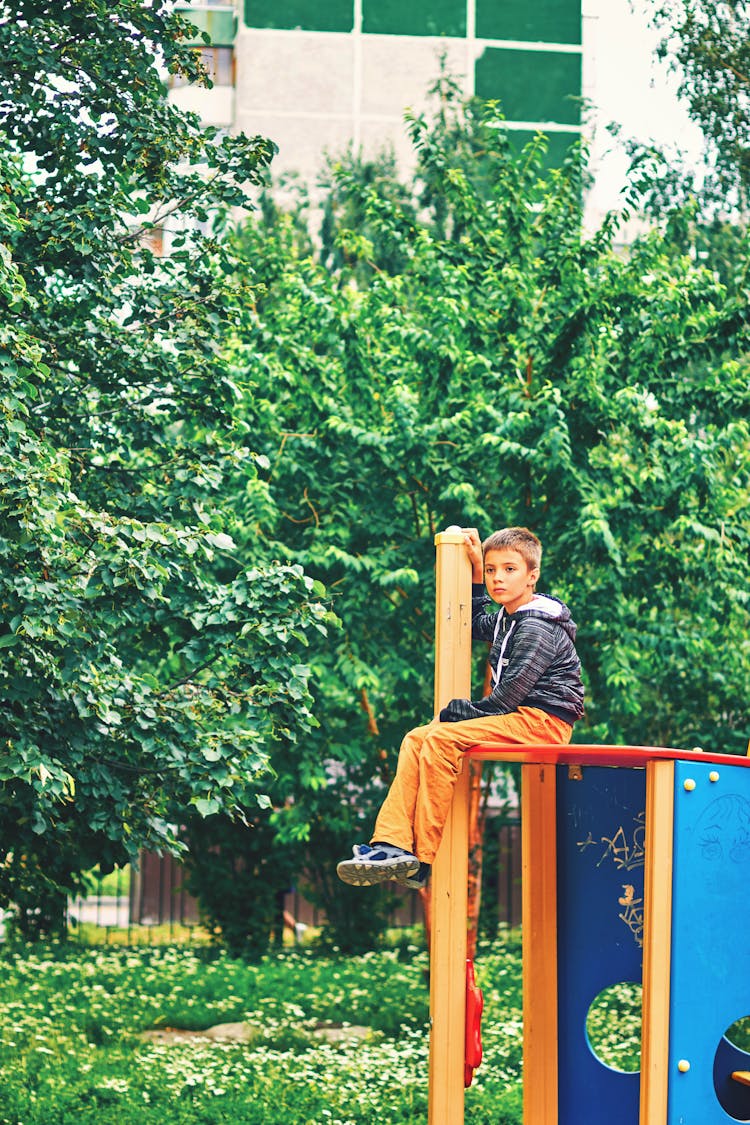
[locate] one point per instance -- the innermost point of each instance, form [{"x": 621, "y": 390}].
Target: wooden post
[
  {"x": 539, "y": 893},
  {"x": 450, "y": 871},
  {"x": 657, "y": 942}
]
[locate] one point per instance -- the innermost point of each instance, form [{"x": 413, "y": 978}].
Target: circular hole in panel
[
  {"x": 733, "y": 1058},
  {"x": 613, "y": 1026},
  {"x": 739, "y": 1034}
]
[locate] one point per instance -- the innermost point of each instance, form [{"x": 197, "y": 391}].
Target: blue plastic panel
[
  {"x": 710, "y": 985},
  {"x": 600, "y": 841}
]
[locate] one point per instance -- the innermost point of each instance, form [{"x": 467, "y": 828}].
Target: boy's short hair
[{"x": 516, "y": 539}]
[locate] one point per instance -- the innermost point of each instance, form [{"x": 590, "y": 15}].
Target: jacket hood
[{"x": 551, "y": 609}]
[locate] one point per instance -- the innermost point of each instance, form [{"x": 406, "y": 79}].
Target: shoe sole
[
  {"x": 358, "y": 873},
  {"x": 413, "y": 884}
]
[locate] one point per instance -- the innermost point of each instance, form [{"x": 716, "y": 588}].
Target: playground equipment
[{"x": 635, "y": 868}]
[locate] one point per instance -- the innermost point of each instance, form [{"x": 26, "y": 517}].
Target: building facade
[{"x": 318, "y": 75}]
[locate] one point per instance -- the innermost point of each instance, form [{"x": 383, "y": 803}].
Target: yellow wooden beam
[
  {"x": 450, "y": 870},
  {"x": 539, "y": 904},
  {"x": 657, "y": 942}
]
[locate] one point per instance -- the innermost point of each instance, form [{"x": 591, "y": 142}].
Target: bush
[{"x": 239, "y": 872}]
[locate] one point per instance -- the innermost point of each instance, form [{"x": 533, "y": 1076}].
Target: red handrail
[{"x": 574, "y": 754}]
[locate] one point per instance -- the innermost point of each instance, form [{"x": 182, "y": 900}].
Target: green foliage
[
  {"x": 613, "y": 1026},
  {"x": 115, "y": 883},
  {"x": 479, "y": 359},
  {"x": 239, "y": 873},
  {"x": 739, "y": 1034},
  {"x": 355, "y": 922},
  {"x": 709, "y": 42},
  {"x": 148, "y": 666},
  {"x": 703, "y": 208},
  {"x": 70, "y": 1024},
  {"x": 71, "y": 1021}
]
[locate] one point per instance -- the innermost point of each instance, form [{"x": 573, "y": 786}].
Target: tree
[
  {"x": 478, "y": 359},
  {"x": 708, "y": 42},
  {"x": 148, "y": 666},
  {"x": 703, "y": 209},
  {"x": 239, "y": 873}
]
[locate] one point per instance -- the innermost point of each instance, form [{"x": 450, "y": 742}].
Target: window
[{"x": 218, "y": 63}]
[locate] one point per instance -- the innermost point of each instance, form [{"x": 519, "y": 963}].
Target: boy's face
[{"x": 509, "y": 581}]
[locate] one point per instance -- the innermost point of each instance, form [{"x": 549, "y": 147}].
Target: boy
[{"x": 536, "y": 696}]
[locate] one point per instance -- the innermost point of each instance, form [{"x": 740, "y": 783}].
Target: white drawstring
[{"x": 498, "y": 670}]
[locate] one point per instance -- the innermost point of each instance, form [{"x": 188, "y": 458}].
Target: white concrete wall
[{"x": 316, "y": 91}]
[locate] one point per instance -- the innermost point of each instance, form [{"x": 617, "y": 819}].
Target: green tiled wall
[
  {"x": 312, "y": 15},
  {"x": 558, "y": 144},
  {"x": 414, "y": 17},
  {"x": 531, "y": 85},
  {"x": 546, "y": 21}
]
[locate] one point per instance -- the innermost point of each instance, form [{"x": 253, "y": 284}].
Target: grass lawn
[{"x": 72, "y": 1018}]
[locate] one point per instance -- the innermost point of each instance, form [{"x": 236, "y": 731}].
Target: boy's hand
[{"x": 474, "y": 551}]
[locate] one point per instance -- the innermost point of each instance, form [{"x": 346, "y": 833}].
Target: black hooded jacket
[{"x": 533, "y": 660}]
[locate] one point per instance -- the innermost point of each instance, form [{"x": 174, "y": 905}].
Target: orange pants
[{"x": 417, "y": 804}]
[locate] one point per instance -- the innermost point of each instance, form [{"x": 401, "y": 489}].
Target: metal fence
[
  {"x": 136, "y": 905},
  {"x": 150, "y": 903},
  {"x": 158, "y": 895}
]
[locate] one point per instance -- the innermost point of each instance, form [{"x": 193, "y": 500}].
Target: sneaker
[
  {"x": 417, "y": 881},
  {"x": 376, "y": 863}
]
